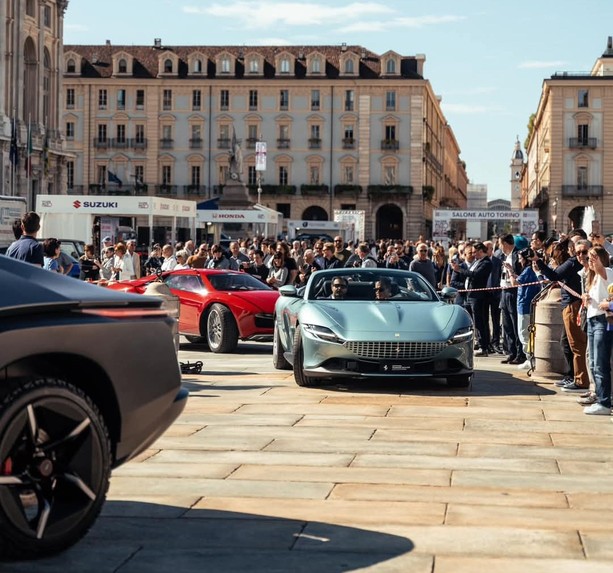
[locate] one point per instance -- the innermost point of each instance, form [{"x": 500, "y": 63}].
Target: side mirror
[
  {"x": 448, "y": 293},
  {"x": 289, "y": 290}
]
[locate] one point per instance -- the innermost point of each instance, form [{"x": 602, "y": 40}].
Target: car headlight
[
  {"x": 322, "y": 332},
  {"x": 462, "y": 335}
]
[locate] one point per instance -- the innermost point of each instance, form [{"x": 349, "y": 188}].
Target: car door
[{"x": 190, "y": 290}]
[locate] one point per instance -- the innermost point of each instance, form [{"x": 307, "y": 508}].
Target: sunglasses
[
  {"x": 339, "y": 286},
  {"x": 379, "y": 289},
  {"x": 582, "y": 252}
]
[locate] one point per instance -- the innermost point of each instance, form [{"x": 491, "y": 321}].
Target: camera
[{"x": 528, "y": 254}]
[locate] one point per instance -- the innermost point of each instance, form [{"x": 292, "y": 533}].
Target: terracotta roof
[{"x": 98, "y": 59}]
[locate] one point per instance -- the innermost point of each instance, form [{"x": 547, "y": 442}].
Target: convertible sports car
[
  {"x": 88, "y": 379},
  {"x": 217, "y": 307},
  {"x": 414, "y": 333}
]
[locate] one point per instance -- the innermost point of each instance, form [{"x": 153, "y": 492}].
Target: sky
[{"x": 486, "y": 59}]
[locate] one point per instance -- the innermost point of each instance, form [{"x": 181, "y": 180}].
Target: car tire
[
  {"x": 459, "y": 381},
  {"x": 278, "y": 360},
  {"x": 55, "y": 465},
  {"x": 195, "y": 339},
  {"x": 221, "y": 329},
  {"x": 299, "y": 376}
]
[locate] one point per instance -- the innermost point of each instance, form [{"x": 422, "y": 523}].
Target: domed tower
[{"x": 517, "y": 168}]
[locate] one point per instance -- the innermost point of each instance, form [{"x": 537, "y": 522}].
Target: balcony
[
  {"x": 198, "y": 190},
  {"x": 582, "y": 142},
  {"x": 195, "y": 143},
  {"x": 101, "y": 142},
  {"x": 582, "y": 190},
  {"x": 279, "y": 189},
  {"x": 119, "y": 143},
  {"x": 346, "y": 189},
  {"x": 390, "y": 144},
  {"x": 283, "y": 143},
  {"x": 166, "y": 189},
  {"x": 138, "y": 143},
  {"x": 223, "y": 143},
  {"x": 348, "y": 143},
  {"x": 315, "y": 143},
  {"x": 382, "y": 190},
  {"x": 167, "y": 143},
  {"x": 316, "y": 189}
]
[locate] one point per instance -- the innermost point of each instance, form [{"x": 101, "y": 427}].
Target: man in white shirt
[
  {"x": 170, "y": 262},
  {"x": 132, "y": 260}
]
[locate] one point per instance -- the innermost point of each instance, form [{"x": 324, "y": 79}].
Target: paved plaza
[{"x": 261, "y": 475}]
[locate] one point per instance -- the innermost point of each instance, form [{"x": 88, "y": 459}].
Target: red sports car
[{"x": 217, "y": 307}]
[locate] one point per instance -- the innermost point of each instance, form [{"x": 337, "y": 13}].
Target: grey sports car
[{"x": 379, "y": 323}]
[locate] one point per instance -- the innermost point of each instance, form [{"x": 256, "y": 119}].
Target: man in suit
[
  {"x": 493, "y": 297},
  {"x": 508, "y": 301},
  {"x": 476, "y": 278}
]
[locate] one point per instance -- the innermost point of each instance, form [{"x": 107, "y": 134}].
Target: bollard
[
  {"x": 171, "y": 303},
  {"x": 548, "y": 324}
]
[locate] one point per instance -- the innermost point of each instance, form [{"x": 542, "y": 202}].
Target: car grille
[{"x": 395, "y": 350}]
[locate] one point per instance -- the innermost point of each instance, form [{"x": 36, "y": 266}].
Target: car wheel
[
  {"x": 54, "y": 467},
  {"x": 460, "y": 381},
  {"x": 299, "y": 376},
  {"x": 278, "y": 360},
  {"x": 195, "y": 339},
  {"x": 221, "y": 329}
]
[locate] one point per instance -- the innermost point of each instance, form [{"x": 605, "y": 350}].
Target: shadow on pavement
[{"x": 137, "y": 536}]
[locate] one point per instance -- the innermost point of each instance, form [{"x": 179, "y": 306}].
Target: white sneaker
[
  {"x": 524, "y": 366},
  {"x": 597, "y": 409}
]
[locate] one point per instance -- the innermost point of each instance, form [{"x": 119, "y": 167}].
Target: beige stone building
[
  {"x": 30, "y": 97},
  {"x": 345, "y": 128},
  {"x": 569, "y": 152}
]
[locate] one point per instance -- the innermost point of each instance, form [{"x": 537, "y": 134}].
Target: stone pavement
[{"x": 261, "y": 475}]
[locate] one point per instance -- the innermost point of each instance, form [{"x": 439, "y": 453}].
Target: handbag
[{"x": 582, "y": 318}]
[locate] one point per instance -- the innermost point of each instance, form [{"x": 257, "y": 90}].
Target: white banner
[
  {"x": 260, "y": 156},
  {"x": 527, "y": 218}
]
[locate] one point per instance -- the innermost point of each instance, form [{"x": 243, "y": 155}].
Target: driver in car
[
  {"x": 339, "y": 288},
  {"x": 383, "y": 289}
]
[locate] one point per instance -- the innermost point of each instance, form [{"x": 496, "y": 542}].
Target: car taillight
[{"x": 127, "y": 312}]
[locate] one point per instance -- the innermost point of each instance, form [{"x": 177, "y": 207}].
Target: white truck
[{"x": 11, "y": 209}]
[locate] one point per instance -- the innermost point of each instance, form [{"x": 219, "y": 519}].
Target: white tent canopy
[{"x": 259, "y": 215}]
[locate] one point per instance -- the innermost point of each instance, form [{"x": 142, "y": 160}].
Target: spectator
[
  {"x": 278, "y": 273},
  {"x": 90, "y": 265},
  {"x": 366, "y": 259},
  {"x": 339, "y": 288},
  {"x": 308, "y": 267},
  {"x": 288, "y": 262},
  {"x": 493, "y": 297},
  {"x": 134, "y": 267},
  {"x": 236, "y": 258},
  {"x": 169, "y": 260},
  {"x": 218, "y": 260},
  {"x": 27, "y": 248},
  {"x": 181, "y": 257},
  {"x": 51, "y": 250},
  {"x": 199, "y": 259},
  {"x": 106, "y": 271},
  {"x": 423, "y": 265},
  {"x": 340, "y": 252},
  {"x": 330, "y": 260},
  {"x": 154, "y": 261},
  {"x": 119, "y": 263},
  {"x": 257, "y": 268}
]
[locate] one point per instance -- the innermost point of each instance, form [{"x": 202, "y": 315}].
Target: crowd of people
[{"x": 497, "y": 282}]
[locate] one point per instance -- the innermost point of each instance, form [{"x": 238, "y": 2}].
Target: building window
[
  {"x": 167, "y": 132},
  {"x": 121, "y": 99},
  {"x": 348, "y": 175},
  {"x": 102, "y": 99},
  {"x": 167, "y": 100},
  {"x": 390, "y": 101},
  {"x": 71, "y": 67},
  {"x": 139, "y": 175},
  {"x": 316, "y": 66},
  {"x": 166, "y": 175},
  {"x": 70, "y": 174},
  {"x": 47, "y": 16},
  {"x": 283, "y": 175},
  {"x": 122, "y": 66},
  {"x": 168, "y": 66},
  {"x": 390, "y": 133},
  {"x": 140, "y": 99},
  {"x": 284, "y": 66},
  {"x": 390, "y": 66},
  {"x": 252, "y": 176},
  {"x": 349, "y": 67},
  {"x": 70, "y": 99},
  {"x": 31, "y": 8},
  {"x": 315, "y": 137},
  {"x": 196, "y": 99},
  {"x": 314, "y": 174},
  {"x": 140, "y": 133},
  {"x": 224, "y": 100},
  {"x": 102, "y": 175},
  {"x": 582, "y": 134},
  {"x": 284, "y": 100},
  {"x": 69, "y": 130},
  {"x": 582, "y": 178},
  {"x": 225, "y": 65},
  {"x": 583, "y": 99},
  {"x": 349, "y": 97},
  {"x": 121, "y": 133},
  {"x": 253, "y": 100},
  {"x": 102, "y": 133},
  {"x": 195, "y": 175},
  {"x": 283, "y": 141},
  {"x": 254, "y": 66},
  {"x": 197, "y": 66},
  {"x": 315, "y": 100}
]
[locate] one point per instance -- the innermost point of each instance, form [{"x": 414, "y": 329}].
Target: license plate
[{"x": 394, "y": 368}]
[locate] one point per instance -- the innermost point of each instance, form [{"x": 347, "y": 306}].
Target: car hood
[
  {"x": 25, "y": 285},
  {"x": 428, "y": 320}
]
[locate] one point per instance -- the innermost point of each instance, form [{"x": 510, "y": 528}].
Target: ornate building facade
[
  {"x": 31, "y": 143},
  {"x": 569, "y": 154},
  {"x": 345, "y": 129}
]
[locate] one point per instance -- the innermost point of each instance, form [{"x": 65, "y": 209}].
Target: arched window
[
  {"x": 168, "y": 66},
  {"x": 71, "y": 68},
  {"x": 122, "y": 66},
  {"x": 390, "y": 67},
  {"x": 349, "y": 67}
]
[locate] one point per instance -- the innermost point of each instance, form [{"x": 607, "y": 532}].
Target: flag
[
  {"x": 14, "y": 151},
  {"x": 112, "y": 178},
  {"x": 28, "y": 164}
]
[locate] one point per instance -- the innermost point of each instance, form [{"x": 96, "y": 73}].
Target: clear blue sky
[{"x": 486, "y": 58}]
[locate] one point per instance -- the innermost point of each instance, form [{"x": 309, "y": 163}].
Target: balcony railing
[
  {"x": 119, "y": 142},
  {"x": 199, "y": 190},
  {"x": 279, "y": 189},
  {"x": 314, "y": 189},
  {"x": 223, "y": 143},
  {"x": 101, "y": 142},
  {"x": 374, "y": 190},
  {"x": 582, "y": 142},
  {"x": 582, "y": 190},
  {"x": 166, "y": 189},
  {"x": 167, "y": 143},
  {"x": 346, "y": 189},
  {"x": 138, "y": 143},
  {"x": 195, "y": 143},
  {"x": 390, "y": 144},
  {"x": 348, "y": 143},
  {"x": 283, "y": 143},
  {"x": 315, "y": 143}
]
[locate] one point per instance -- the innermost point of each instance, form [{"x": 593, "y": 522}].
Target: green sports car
[{"x": 371, "y": 323}]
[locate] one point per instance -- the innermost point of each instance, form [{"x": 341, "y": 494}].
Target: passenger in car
[{"x": 383, "y": 289}]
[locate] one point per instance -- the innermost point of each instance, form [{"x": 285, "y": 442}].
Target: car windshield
[
  {"x": 236, "y": 281},
  {"x": 362, "y": 284}
]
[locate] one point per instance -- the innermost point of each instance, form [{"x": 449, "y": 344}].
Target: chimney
[
  {"x": 157, "y": 43},
  {"x": 610, "y": 43},
  {"x": 108, "y": 42},
  {"x": 344, "y": 47}
]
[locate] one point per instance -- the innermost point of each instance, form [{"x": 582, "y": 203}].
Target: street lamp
[{"x": 554, "y": 216}]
